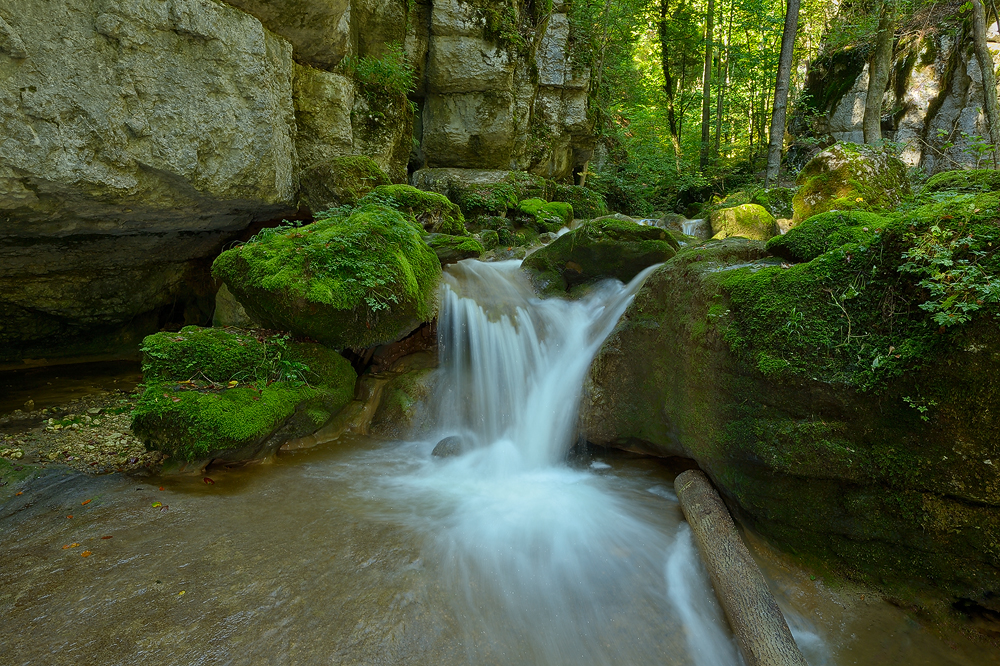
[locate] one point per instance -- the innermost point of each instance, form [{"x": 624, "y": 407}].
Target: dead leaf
[
  {"x": 86, "y": 502},
  {"x": 233, "y": 383},
  {"x": 69, "y": 516},
  {"x": 209, "y": 481},
  {"x": 176, "y": 399},
  {"x": 161, "y": 487},
  {"x": 86, "y": 553},
  {"x": 106, "y": 537},
  {"x": 70, "y": 545},
  {"x": 19, "y": 493},
  {"x": 164, "y": 507}
]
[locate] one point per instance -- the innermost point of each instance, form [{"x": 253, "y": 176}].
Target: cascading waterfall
[{"x": 543, "y": 561}]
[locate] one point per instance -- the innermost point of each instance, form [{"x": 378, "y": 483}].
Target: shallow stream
[{"x": 377, "y": 552}]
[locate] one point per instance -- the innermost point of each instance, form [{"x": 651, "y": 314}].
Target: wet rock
[{"x": 452, "y": 446}]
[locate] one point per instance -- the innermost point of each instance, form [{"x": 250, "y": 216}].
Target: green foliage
[
  {"x": 826, "y": 231},
  {"x": 391, "y": 76},
  {"x": 587, "y": 203},
  {"x": 546, "y": 216},
  {"x": 489, "y": 199}
]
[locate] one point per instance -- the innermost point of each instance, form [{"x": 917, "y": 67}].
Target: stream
[{"x": 520, "y": 549}]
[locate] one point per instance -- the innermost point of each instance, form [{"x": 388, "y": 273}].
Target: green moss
[
  {"x": 450, "y": 249},
  {"x": 850, "y": 177},
  {"x": 490, "y": 239},
  {"x": 340, "y": 181},
  {"x": 587, "y": 203},
  {"x": 208, "y": 391},
  {"x": 352, "y": 280},
  {"x": 826, "y": 231},
  {"x": 776, "y": 200},
  {"x": 744, "y": 220},
  {"x": 487, "y": 199},
  {"x": 971, "y": 180},
  {"x": 602, "y": 248},
  {"x": 432, "y": 211},
  {"x": 545, "y": 216}
]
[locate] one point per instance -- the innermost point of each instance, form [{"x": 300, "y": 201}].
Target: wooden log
[{"x": 753, "y": 614}]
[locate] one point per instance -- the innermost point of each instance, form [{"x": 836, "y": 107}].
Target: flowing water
[{"x": 516, "y": 551}]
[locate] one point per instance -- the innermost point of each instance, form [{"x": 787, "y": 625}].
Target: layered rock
[{"x": 122, "y": 168}]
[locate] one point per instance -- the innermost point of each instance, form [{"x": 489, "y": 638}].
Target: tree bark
[
  {"x": 669, "y": 86},
  {"x": 878, "y": 75},
  {"x": 781, "y": 86},
  {"x": 985, "y": 59},
  {"x": 757, "y": 623},
  {"x": 706, "y": 90}
]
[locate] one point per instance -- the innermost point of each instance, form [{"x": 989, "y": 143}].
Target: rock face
[
  {"x": 121, "y": 166},
  {"x": 840, "y": 424},
  {"x": 933, "y": 103},
  {"x": 849, "y": 177},
  {"x": 138, "y": 137},
  {"x": 500, "y": 98}
]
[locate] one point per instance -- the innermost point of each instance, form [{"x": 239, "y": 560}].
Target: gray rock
[{"x": 452, "y": 446}]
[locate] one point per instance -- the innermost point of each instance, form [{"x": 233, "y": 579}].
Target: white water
[{"x": 544, "y": 562}]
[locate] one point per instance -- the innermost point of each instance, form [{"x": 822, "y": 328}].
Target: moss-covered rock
[
  {"x": 970, "y": 180},
  {"x": 587, "y": 204},
  {"x": 340, "y": 181},
  {"x": 777, "y": 201},
  {"x": 451, "y": 249},
  {"x": 489, "y": 239},
  {"x": 826, "y": 231},
  {"x": 235, "y": 394},
  {"x": 544, "y": 216},
  {"x": 432, "y": 211},
  {"x": 848, "y": 176},
  {"x": 841, "y": 404},
  {"x": 357, "y": 279},
  {"x": 744, "y": 220},
  {"x": 597, "y": 249}
]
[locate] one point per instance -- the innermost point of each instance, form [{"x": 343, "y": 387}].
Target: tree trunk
[
  {"x": 985, "y": 59},
  {"x": 723, "y": 83},
  {"x": 669, "y": 86},
  {"x": 706, "y": 90},
  {"x": 781, "y": 85},
  {"x": 878, "y": 75}
]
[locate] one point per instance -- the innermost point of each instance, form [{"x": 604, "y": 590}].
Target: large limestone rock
[
  {"x": 135, "y": 138},
  {"x": 849, "y": 176},
  {"x": 838, "y": 427}
]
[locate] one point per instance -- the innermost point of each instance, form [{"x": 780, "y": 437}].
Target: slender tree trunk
[
  {"x": 669, "y": 85},
  {"x": 989, "y": 76},
  {"x": 706, "y": 89},
  {"x": 878, "y": 75},
  {"x": 781, "y": 86},
  {"x": 723, "y": 84}
]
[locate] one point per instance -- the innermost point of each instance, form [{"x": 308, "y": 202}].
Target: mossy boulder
[
  {"x": 489, "y": 239},
  {"x": 587, "y": 204},
  {"x": 353, "y": 280},
  {"x": 849, "y": 176},
  {"x": 235, "y": 394},
  {"x": 970, "y": 181},
  {"x": 777, "y": 201},
  {"x": 451, "y": 249},
  {"x": 744, "y": 220},
  {"x": 845, "y": 406},
  {"x": 482, "y": 192},
  {"x": 598, "y": 249},
  {"x": 434, "y": 212},
  {"x": 826, "y": 231},
  {"x": 340, "y": 181},
  {"x": 544, "y": 216}
]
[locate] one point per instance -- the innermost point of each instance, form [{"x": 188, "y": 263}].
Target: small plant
[
  {"x": 795, "y": 324},
  {"x": 921, "y": 405},
  {"x": 948, "y": 261},
  {"x": 390, "y": 76}
]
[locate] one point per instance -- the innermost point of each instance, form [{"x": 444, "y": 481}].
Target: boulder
[
  {"x": 602, "y": 248},
  {"x": 544, "y": 216},
  {"x": 113, "y": 188},
  {"x": 432, "y": 211},
  {"x": 481, "y": 192},
  {"x": 340, "y": 181},
  {"x": 849, "y": 176},
  {"x": 353, "y": 280},
  {"x": 234, "y": 394},
  {"x": 229, "y": 312},
  {"x": 587, "y": 204},
  {"x": 746, "y": 220},
  {"x": 450, "y": 447},
  {"x": 842, "y": 405},
  {"x": 452, "y": 249}
]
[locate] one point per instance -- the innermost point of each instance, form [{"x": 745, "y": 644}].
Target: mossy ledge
[
  {"x": 355, "y": 279},
  {"x": 235, "y": 394}
]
